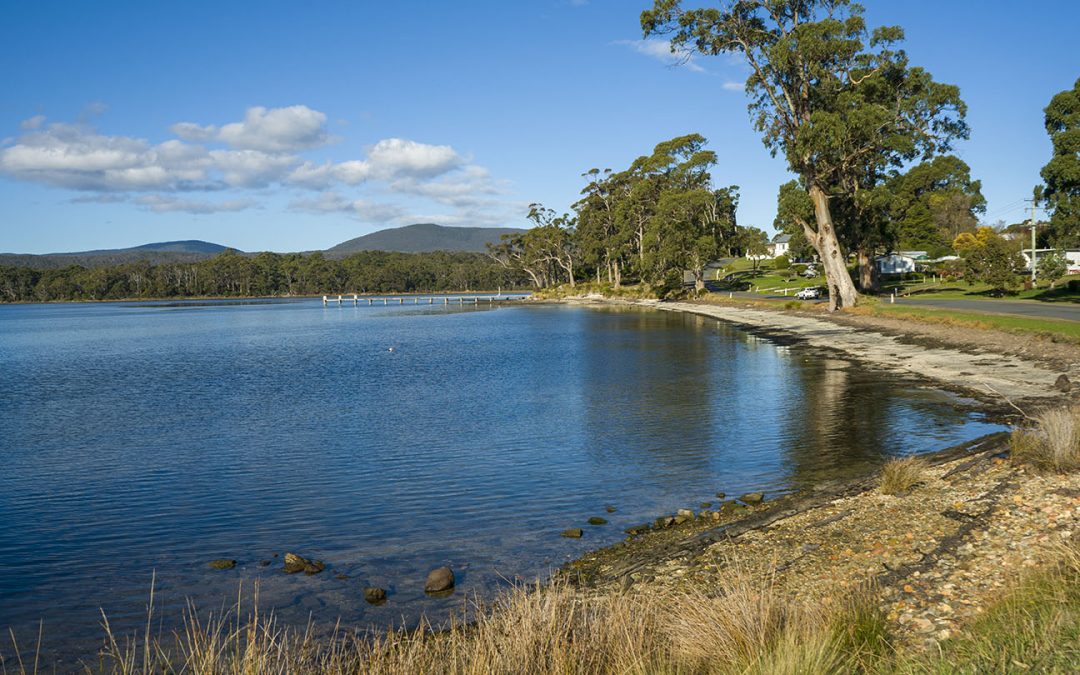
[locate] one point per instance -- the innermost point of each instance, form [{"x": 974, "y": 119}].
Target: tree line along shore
[{"x": 231, "y": 274}]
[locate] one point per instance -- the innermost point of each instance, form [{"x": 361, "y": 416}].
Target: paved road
[{"x": 1032, "y": 308}]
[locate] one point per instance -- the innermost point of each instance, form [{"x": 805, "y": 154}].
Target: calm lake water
[{"x": 142, "y": 439}]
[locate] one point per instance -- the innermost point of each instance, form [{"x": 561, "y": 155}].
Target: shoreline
[
  {"x": 994, "y": 378},
  {"x": 252, "y": 298},
  {"x": 931, "y": 557}
]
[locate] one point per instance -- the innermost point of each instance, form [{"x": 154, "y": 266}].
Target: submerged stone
[
  {"x": 753, "y": 497},
  {"x": 597, "y": 520},
  {"x": 295, "y": 563},
  {"x": 375, "y": 595},
  {"x": 222, "y": 564},
  {"x": 439, "y": 580},
  {"x": 573, "y": 533}
]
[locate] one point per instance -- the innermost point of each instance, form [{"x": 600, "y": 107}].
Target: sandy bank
[{"x": 976, "y": 368}]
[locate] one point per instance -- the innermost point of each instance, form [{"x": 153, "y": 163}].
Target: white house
[
  {"x": 780, "y": 245},
  {"x": 1072, "y": 257},
  {"x": 894, "y": 263}
]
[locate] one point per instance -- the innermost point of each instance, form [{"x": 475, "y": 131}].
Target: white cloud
[
  {"x": 389, "y": 159},
  {"x": 289, "y": 129},
  {"x": 168, "y": 204},
  {"x": 251, "y": 168},
  {"x": 77, "y": 157},
  {"x": 661, "y": 51},
  {"x": 471, "y": 186},
  {"x": 32, "y": 123},
  {"x": 398, "y": 156},
  {"x": 333, "y": 202},
  {"x": 265, "y": 152},
  {"x": 733, "y": 86}
]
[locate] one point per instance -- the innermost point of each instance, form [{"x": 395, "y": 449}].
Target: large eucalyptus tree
[{"x": 839, "y": 101}]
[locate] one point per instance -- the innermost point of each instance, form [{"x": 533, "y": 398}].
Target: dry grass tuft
[
  {"x": 1051, "y": 443},
  {"x": 899, "y": 476},
  {"x": 748, "y": 626}
]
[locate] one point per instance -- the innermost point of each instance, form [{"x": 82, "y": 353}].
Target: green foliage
[
  {"x": 231, "y": 274},
  {"x": 793, "y": 208},
  {"x": 547, "y": 254},
  {"x": 989, "y": 258},
  {"x": 661, "y": 215},
  {"x": 1061, "y": 174},
  {"x": 754, "y": 244},
  {"x": 1052, "y": 266},
  {"x": 933, "y": 203},
  {"x": 781, "y": 262},
  {"x": 840, "y": 101}
]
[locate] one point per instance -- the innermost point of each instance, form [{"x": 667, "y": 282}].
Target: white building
[
  {"x": 894, "y": 263},
  {"x": 780, "y": 245},
  {"x": 1072, "y": 257}
]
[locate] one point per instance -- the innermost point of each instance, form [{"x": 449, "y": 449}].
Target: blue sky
[{"x": 293, "y": 126}]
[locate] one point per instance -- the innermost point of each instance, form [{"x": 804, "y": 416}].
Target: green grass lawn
[
  {"x": 1054, "y": 328},
  {"x": 961, "y": 290}
]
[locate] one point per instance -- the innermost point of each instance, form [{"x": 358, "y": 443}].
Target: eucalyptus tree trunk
[
  {"x": 867, "y": 278},
  {"x": 842, "y": 291}
]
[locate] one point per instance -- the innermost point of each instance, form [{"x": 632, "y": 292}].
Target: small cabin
[{"x": 894, "y": 263}]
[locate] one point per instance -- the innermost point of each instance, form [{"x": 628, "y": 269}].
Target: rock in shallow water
[
  {"x": 295, "y": 563},
  {"x": 439, "y": 580},
  {"x": 222, "y": 564},
  {"x": 573, "y": 533},
  {"x": 376, "y": 595},
  {"x": 753, "y": 497},
  {"x": 597, "y": 520}
]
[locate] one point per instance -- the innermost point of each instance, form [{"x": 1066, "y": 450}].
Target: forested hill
[
  {"x": 155, "y": 253},
  {"x": 423, "y": 238}
]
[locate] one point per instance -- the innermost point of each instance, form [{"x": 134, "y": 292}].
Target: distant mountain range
[
  {"x": 165, "y": 251},
  {"x": 419, "y": 238},
  {"x": 423, "y": 238}
]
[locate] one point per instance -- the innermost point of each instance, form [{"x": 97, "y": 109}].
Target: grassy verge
[{"x": 1058, "y": 330}]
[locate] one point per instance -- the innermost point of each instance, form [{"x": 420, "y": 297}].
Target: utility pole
[{"x": 1032, "y": 242}]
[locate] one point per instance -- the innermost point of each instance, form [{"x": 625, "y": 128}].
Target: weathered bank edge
[
  {"x": 974, "y": 370},
  {"x": 933, "y": 557}
]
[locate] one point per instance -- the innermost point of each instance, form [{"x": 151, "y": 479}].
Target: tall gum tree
[
  {"x": 837, "y": 100},
  {"x": 1062, "y": 173}
]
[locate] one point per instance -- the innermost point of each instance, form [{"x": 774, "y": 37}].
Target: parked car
[
  {"x": 810, "y": 293},
  {"x": 810, "y": 272}
]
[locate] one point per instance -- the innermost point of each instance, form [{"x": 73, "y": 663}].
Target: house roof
[{"x": 782, "y": 239}]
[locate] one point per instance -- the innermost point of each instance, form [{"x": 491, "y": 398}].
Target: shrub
[
  {"x": 900, "y": 475},
  {"x": 1051, "y": 442},
  {"x": 781, "y": 262}
]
